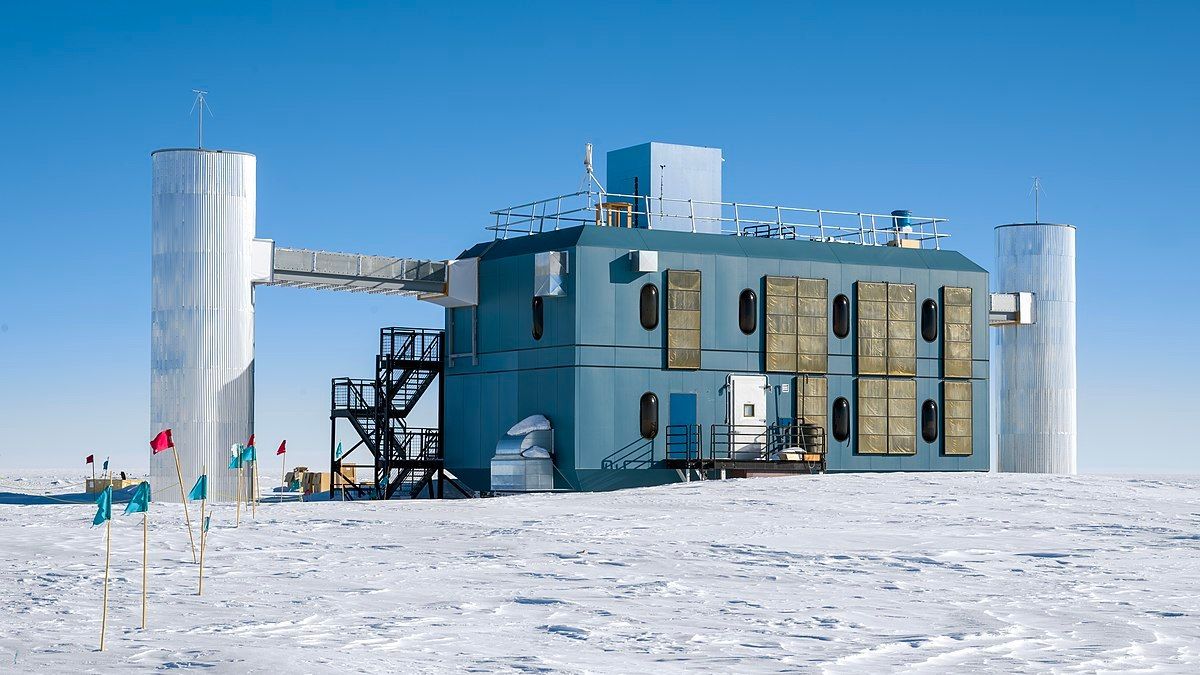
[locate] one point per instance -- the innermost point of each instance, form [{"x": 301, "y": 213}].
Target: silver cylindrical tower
[
  {"x": 202, "y": 314},
  {"x": 1036, "y": 419}
]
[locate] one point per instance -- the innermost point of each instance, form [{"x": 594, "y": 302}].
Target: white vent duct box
[
  {"x": 643, "y": 261},
  {"x": 549, "y": 271}
]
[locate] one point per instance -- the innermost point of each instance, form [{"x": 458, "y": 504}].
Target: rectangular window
[
  {"x": 683, "y": 319},
  {"x": 747, "y": 410},
  {"x": 956, "y": 332},
  {"x": 887, "y": 416},
  {"x": 797, "y": 333},
  {"x": 887, "y": 328},
  {"x": 956, "y": 404},
  {"x": 811, "y": 401}
]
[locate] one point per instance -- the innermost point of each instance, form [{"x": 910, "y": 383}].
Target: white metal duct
[
  {"x": 202, "y": 314},
  {"x": 1036, "y": 365}
]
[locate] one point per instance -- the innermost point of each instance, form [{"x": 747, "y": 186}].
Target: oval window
[
  {"x": 929, "y": 320},
  {"x": 929, "y": 421},
  {"x": 841, "y": 419},
  {"x": 748, "y": 311},
  {"x": 538, "y": 318},
  {"x": 648, "y": 415},
  {"x": 648, "y": 307},
  {"x": 841, "y": 316}
]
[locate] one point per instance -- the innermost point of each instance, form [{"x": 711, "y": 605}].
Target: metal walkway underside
[{"x": 356, "y": 273}]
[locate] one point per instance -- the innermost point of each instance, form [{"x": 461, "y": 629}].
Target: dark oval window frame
[
  {"x": 929, "y": 320},
  {"x": 539, "y": 317},
  {"x": 841, "y": 316},
  {"x": 841, "y": 419},
  {"x": 929, "y": 421},
  {"x": 648, "y": 306},
  {"x": 748, "y": 311},
  {"x": 648, "y": 415}
]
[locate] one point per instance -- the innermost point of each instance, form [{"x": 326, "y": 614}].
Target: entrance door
[
  {"x": 747, "y": 415},
  {"x": 684, "y": 435}
]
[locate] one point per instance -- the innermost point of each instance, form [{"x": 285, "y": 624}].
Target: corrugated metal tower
[
  {"x": 202, "y": 314},
  {"x": 1036, "y": 367}
]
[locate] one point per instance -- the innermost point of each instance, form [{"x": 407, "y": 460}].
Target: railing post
[
  {"x": 692, "y": 214},
  {"x": 779, "y": 222},
  {"x": 821, "y": 224},
  {"x": 737, "y": 221}
]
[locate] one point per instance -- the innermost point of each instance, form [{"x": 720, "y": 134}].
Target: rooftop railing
[{"x": 733, "y": 218}]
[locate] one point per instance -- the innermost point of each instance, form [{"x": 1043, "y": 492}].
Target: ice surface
[
  {"x": 841, "y": 574},
  {"x": 531, "y": 423}
]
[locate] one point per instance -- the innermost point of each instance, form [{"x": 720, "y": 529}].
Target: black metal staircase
[{"x": 406, "y": 460}]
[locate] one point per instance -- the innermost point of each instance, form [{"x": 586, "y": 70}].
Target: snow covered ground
[{"x": 843, "y": 573}]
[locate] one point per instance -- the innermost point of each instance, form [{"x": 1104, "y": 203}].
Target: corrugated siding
[
  {"x": 202, "y": 314},
  {"x": 1036, "y": 364}
]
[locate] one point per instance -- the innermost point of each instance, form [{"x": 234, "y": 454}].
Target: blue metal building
[{"x": 654, "y": 322}]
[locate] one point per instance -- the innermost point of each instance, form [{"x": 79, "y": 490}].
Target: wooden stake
[
  {"x": 203, "y": 539},
  {"x": 183, "y": 495},
  {"x": 237, "y": 494},
  {"x": 107, "y": 552},
  {"x": 145, "y": 561},
  {"x": 254, "y": 489}
]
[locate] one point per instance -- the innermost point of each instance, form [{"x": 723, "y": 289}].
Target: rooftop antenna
[
  {"x": 1036, "y": 191},
  {"x": 202, "y": 105},
  {"x": 589, "y": 177}
]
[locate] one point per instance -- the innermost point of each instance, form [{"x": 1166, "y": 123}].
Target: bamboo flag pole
[
  {"x": 254, "y": 488},
  {"x": 203, "y": 536},
  {"x": 145, "y": 560},
  {"x": 107, "y": 555},
  {"x": 282, "y": 476},
  {"x": 183, "y": 497},
  {"x": 237, "y": 494}
]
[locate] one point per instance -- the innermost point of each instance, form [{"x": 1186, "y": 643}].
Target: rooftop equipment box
[{"x": 678, "y": 172}]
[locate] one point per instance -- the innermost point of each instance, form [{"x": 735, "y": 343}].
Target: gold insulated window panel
[
  {"x": 887, "y": 328},
  {"x": 902, "y": 417},
  {"x": 956, "y": 406},
  {"x": 797, "y": 319},
  {"x": 683, "y": 319},
  {"x": 887, "y": 416},
  {"x": 956, "y": 332},
  {"x": 811, "y": 400}
]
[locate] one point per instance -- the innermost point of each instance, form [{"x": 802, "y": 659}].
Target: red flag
[
  {"x": 282, "y": 448},
  {"x": 250, "y": 443},
  {"x": 90, "y": 460},
  {"x": 162, "y": 442}
]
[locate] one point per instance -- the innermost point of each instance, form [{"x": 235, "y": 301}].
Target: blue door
[{"x": 683, "y": 437}]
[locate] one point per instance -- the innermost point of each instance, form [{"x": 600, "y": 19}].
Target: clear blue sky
[{"x": 393, "y": 130}]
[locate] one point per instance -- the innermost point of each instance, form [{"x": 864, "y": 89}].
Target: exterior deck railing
[{"x": 734, "y": 218}]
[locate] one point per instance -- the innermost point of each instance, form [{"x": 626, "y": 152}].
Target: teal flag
[
  {"x": 140, "y": 503},
  {"x": 105, "y": 464},
  {"x": 235, "y": 459},
  {"x": 206, "y": 520},
  {"x": 200, "y": 489},
  {"x": 248, "y": 454},
  {"x": 103, "y": 507},
  {"x": 337, "y": 454}
]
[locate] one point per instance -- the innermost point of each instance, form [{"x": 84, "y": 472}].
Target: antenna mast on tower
[
  {"x": 202, "y": 105},
  {"x": 1036, "y": 191}
]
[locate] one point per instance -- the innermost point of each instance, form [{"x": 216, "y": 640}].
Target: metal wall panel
[
  {"x": 1036, "y": 367},
  {"x": 202, "y": 314}
]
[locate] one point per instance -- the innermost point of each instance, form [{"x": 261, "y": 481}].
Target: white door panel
[{"x": 747, "y": 415}]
